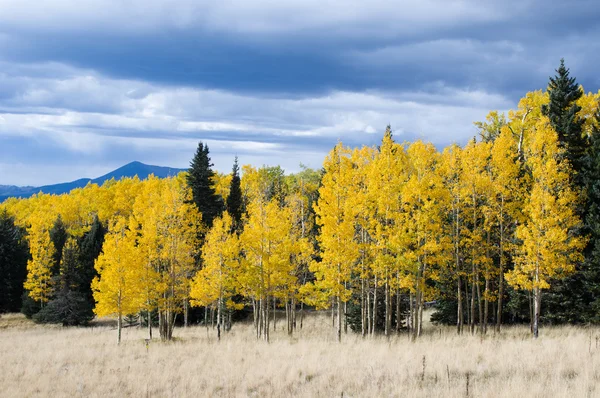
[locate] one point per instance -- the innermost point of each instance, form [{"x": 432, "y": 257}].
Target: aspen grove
[{"x": 375, "y": 236}]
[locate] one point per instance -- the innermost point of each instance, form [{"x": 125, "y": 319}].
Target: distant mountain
[{"x": 129, "y": 170}]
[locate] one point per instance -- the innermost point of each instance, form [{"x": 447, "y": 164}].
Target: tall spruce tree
[
  {"x": 58, "y": 235},
  {"x": 234, "y": 200},
  {"x": 569, "y": 299},
  {"x": 90, "y": 247},
  {"x": 14, "y": 253},
  {"x": 199, "y": 180},
  {"x": 562, "y": 110},
  {"x": 591, "y": 180}
]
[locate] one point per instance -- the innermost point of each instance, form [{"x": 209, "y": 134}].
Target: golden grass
[{"x": 86, "y": 362}]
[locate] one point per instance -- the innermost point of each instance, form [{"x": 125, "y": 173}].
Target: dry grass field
[{"x": 86, "y": 362}]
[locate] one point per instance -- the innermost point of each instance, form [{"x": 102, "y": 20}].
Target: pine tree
[
  {"x": 69, "y": 306},
  {"x": 58, "y": 235},
  {"x": 562, "y": 112},
  {"x": 234, "y": 200},
  {"x": 591, "y": 179},
  {"x": 199, "y": 179},
  {"x": 90, "y": 247},
  {"x": 14, "y": 252}
]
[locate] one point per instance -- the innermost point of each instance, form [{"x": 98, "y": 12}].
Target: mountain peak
[{"x": 132, "y": 169}]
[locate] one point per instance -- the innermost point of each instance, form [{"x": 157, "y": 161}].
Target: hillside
[{"x": 129, "y": 170}]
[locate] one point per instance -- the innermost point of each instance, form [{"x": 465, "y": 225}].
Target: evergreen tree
[
  {"x": 90, "y": 247},
  {"x": 591, "y": 179},
  {"x": 569, "y": 299},
  {"x": 199, "y": 180},
  {"x": 14, "y": 253},
  {"x": 69, "y": 306},
  {"x": 562, "y": 112},
  {"x": 58, "y": 236},
  {"x": 234, "y": 200}
]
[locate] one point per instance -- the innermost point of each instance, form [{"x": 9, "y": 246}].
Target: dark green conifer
[{"x": 199, "y": 179}]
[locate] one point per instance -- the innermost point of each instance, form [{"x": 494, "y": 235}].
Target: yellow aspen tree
[
  {"x": 338, "y": 249},
  {"x": 452, "y": 171},
  {"x": 266, "y": 267},
  {"x": 215, "y": 283},
  {"x": 548, "y": 249},
  {"x": 39, "y": 276},
  {"x": 505, "y": 201},
  {"x": 221, "y": 184},
  {"x": 589, "y": 106},
  {"x": 424, "y": 199},
  {"x": 302, "y": 190},
  {"x": 178, "y": 230},
  {"x": 476, "y": 185},
  {"x": 386, "y": 179},
  {"x": 361, "y": 208},
  {"x": 147, "y": 212},
  {"x": 117, "y": 288}
]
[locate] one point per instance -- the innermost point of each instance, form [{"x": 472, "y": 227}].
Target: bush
[{"x": 69, "y": 308}]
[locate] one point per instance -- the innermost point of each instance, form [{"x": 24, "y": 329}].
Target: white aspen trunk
[
  {"x": 410, "y": 316},
  {"x": 274, "y": 314},
  {"x": 501, "y": 276},
  {"x": 374, "y": 328},
  {"x": 362, "y": 307},
  {"x": 479, "y": 304},
  {"x": 368, "y": 310},
  {"x": 339, "y": 319},
  {"x": 185, "y": 312},
  {"x": 119, "y": 327},
  {"x": 538, "y": 304},
  {"x": 398, "y": 316},
  {"x": 219, "y": 305},
  {"x": 388, "y": 309}
]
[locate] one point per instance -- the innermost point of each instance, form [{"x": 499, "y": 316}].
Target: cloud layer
[{"x": 86, "y": 87}]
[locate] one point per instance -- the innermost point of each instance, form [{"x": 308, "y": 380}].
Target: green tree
[
  {"x": 58, "y": 236},
  {"x": 199, "y": 179},
  {"x": 14, "y": 253},
  {"x": 591, "y": 266},
  {"x": 90, "y": 247},
  {"x": 562, "y": 112},
  {"x": 69, "y": 306},
  {"x": 234, "y": 200}
]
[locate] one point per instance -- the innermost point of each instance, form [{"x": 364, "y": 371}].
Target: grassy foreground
[{"x": 86, "y": 362}]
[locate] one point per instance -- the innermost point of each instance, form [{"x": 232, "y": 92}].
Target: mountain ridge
[{"x": 132, "y": 169}]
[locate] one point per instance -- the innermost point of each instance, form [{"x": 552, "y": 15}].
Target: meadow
[{"x": 86, "y": 362}]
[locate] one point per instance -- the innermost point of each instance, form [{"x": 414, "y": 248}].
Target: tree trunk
[
  {"x": 186, "y": 307},
  {"x": 363, "y": 314},
  {"x": 274, "y": 314},
  {"x": 486, "y": 303},
  {"x": 374, "y": 307},
  {"x": 479, "y": 305},
  {"x": 410, "y": 318},
  {"x": 219, "y": 305},
  {"x": 501, "y": 276},
  {"x": 531, "y": 316},
  {"x": 368, "y": 309},
  {"x": 388, "y": 309},
  {"x": 460, "y": 320},
  {"x": 538, "y": 304},
  {"x": 339, "y": 319},
  {"x": 119, "y": 327},
  {"x": 398, "y": 316}
]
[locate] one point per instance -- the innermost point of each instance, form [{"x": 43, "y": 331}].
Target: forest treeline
[{"x": 504, "y": 229}]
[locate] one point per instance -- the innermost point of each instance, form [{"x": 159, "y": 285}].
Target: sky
[{"x": 88, "y": 86}]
